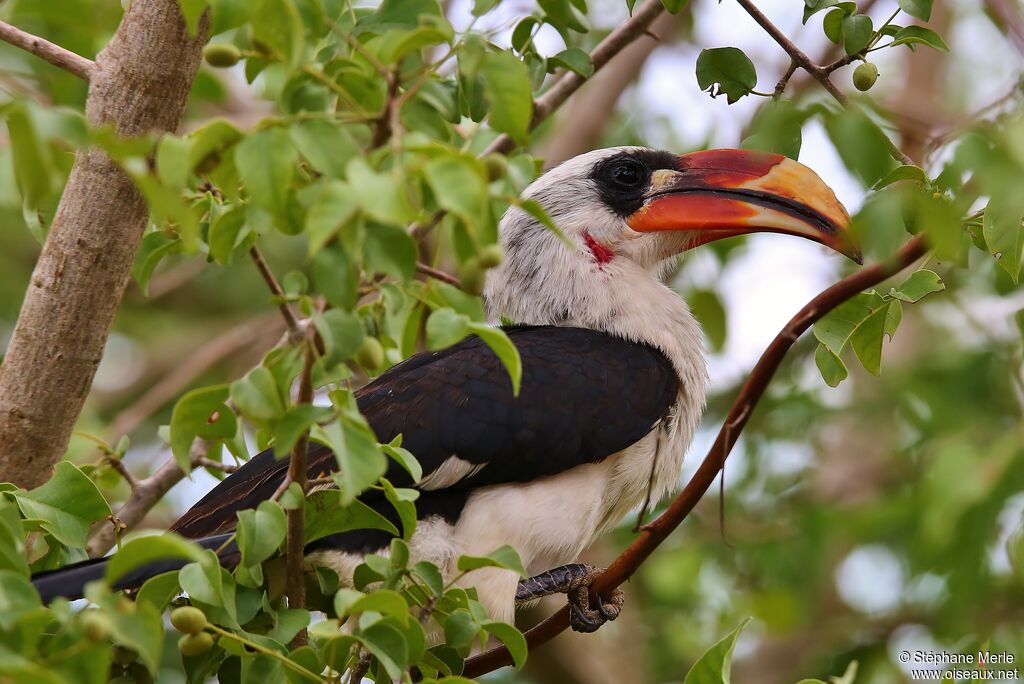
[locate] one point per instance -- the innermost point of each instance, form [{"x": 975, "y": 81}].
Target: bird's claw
[{"x": 585, "y": 618}]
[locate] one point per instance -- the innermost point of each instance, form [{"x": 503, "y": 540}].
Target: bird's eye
[{"x": 627, "y": 174}]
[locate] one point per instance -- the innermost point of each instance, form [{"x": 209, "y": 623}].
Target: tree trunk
[{"x": 140, "y": 84}]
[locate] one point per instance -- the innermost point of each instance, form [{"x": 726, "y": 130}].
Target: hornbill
[{"x": 613, "y": 381}]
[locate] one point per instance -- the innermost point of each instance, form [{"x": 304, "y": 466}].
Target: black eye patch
[{"x": 623, "y": 179}]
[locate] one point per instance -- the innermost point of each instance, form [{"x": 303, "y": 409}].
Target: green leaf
[
  {"x": 708, "y": 309},
  {"x": 1004, "y": 234},
  {"x": 833, "y": 25},
  {"x": 504, "y": 557},
  {"x": 144, "y": 550},
  {"x": 460, "y": 185},
  {"x": 513, "y": 639},
  {"x": 836, "y": 329},
  {"x": 857, "y": 33},
  {"x": 155, "y": 246},
  {"x": 278, "y": 25},
  {"x": 522, "y": 34},
  {"x": 920, "y": 284},
  {"x": 502, "y": 346},
  {"x": 726, "y": 71},
  {"x": 360, "y": 462},
  {"x": 509, "y": 93},
  {"x": 342, "y": 333},
  {"x": 777, "y": 127},
  {"x": 402, "y": 501},
  {"x": 715, "y": 665},
  {"x": 460, "y": 629},
  {"x": 861, "y": 145},
  {"x": 326, "y": 146},
  {"x": 389, "y": 250},
  {"x": 332, "y": 209},
  {"x": 295, "y": 422},
  {"x": 256, "y": 395},
  {"x": 17, "y": 597},
  {"x": 445, "y": 328},
  {"x": 266, "y": 164},
  {"x": 430, "y": 575},
  {"x": 576, "y": 60},
  {"x": 671, "y": 6},
  {"x": 336, "y": 277},
  {"x": 12, "y": 542},
  {"x": 65, "y": 506},
  {"x": 833, "y": 370},
  {"x": 226, "y": 233},
  {"x": 192, "y": 10},
  {"x": 867, "y": 339},
  {"x": 139, "y": 628},
  {"x": 158, "y": 591},
  {"x": 33, "y": 167},
  {"x": 563, "y": 14},
  {"x": 208, "y": 144},
  {"x": 383, "y": 601},
  {"x": 913, "y": 35},
  {"x": 537, "y": 211},
  {"x": 326, "y": 516},
  {"x": 200, "y": 413},
  {"x": 922, "y": 9},
  {"x": 381, "y": 195},
  {"x": 172, "y": 161},
  {"x": 260, "y": 532},
  {"x": 405, "y": 459},
  {"x": 388, "y": 645},
  {"x": 902, "y": 173}
]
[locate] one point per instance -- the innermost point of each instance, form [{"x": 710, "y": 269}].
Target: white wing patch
[{"x": 450, "y": 472}]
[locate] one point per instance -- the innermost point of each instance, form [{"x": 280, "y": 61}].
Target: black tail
[{"x": 69, "y": 582}]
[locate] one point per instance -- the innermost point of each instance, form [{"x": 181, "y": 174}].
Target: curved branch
[
  {"x": 47, "y": 51},
  {"x": 655, "y": 533}
]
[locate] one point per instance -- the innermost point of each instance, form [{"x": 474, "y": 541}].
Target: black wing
[{"x": 584, "y": 396}]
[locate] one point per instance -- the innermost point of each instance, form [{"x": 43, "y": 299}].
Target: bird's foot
[
  {"x": 574, "y": 581},
  {"x": 584, "y": 617}
]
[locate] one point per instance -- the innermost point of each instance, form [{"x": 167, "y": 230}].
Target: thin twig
[
  {"x": 653, "y": 534},
  {"x": 205, "y": 462},
  {"x": 296, "y": 589},
  {"x": 437, "y": 274},
  {"x": 118, "y": 465},
  {"x": 47, "y": 51},
  {"x": 819, "y": 73},
  {"x": 275, "y": 289}
]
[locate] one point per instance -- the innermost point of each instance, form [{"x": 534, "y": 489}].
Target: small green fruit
[
  {"x": 491, "y": 255},
  {"x": 221, "y": 55},
  {"x": 124, "y": 656},
  {"x": 371, "y": 353},
  {"x": 195, "y": 644},
  {"x": 472, "y": 276},
  {"x": 95, "y": 625},
  {"x": 496, "y": 167},
  {"x": 864, "y": 76},
  {"x": 188, "y": 620}
]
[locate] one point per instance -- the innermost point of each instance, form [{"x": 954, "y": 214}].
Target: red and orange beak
[{"x": 717, "y": 194}]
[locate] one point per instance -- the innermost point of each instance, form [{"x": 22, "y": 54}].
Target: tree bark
[{"x": 140, "y": 85}]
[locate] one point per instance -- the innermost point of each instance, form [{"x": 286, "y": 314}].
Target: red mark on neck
[{"x": 601, "y": 253}]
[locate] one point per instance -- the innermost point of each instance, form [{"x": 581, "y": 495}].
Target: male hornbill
[{"x": 613, "y": 382}]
